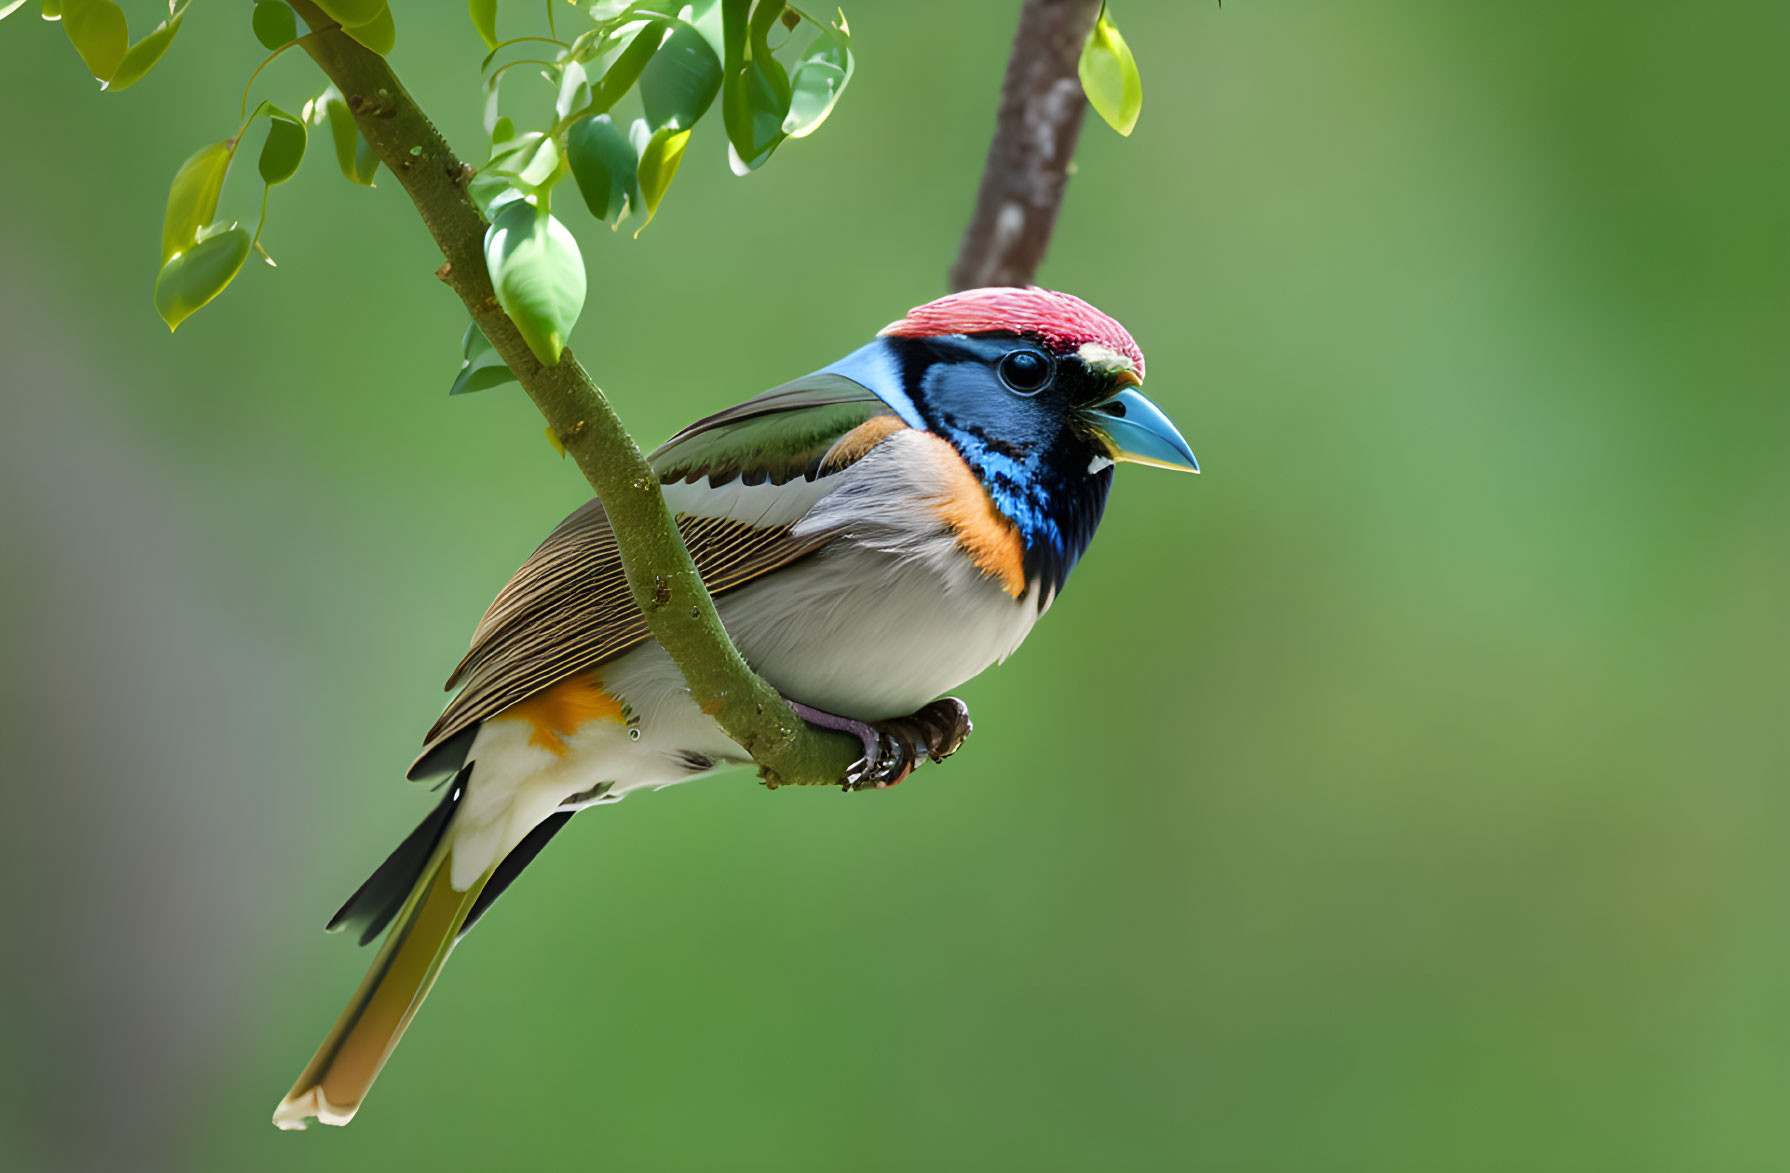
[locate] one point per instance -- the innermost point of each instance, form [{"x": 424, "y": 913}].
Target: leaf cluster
[
  {"x": 670, "y": 66},
  {"x": 775, "y": 72},
  {"x": 101, "y": 35},
  {"x": 201, "y": 254},
  {"x": 629, "y": 82}
]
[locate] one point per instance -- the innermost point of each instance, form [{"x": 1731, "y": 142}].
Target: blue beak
[{"x": 1136, "y": 431}]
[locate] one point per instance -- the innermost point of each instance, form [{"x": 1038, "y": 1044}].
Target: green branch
[{"x": 661, "y": 576}]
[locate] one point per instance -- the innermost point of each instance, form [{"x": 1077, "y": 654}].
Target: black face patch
[{"x": 1019, "y": 423}]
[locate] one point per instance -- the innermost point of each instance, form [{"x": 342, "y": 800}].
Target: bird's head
[
  {"x": 1039, "y": 393},
  {"x": 1024, "y": 368}
]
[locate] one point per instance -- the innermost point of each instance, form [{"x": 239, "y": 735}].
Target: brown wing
[{"x": 568, "y": 608}]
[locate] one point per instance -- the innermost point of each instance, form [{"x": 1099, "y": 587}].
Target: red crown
[{"x": 1059, "y": 320}]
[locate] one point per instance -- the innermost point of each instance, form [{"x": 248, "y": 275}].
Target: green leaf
[
  {"x": 820, "y": 79},
  {"x": 1109, "y": 76},
  {"x": 351, "y": 12},
  {"x": 602, "y": 10},
  {"x": 330, "y": 109},
  {"x": 541, "y": 167},
  {"x": 604, "y": 166},
  {"x": 736, "y": 110},
  {"x": 275, "y": 25},
  {"x": 586, "y": 46},
  {"x": 354, "y": 157},
  {"x": 484, "y": 19},
  {"x": 734, "y": 16},
  {"x": 480, "y": 366},
  {"x": 142, "y": 56},
  {"x": 378, "y": 34},
  {"x": 509, "y": 158},
  {"x": 491, "y": 116},
  {"x": 52, "y": 9},
  {"x": 193, "y": 278},
  {"x": 538, "y": 274},
  {"x": 193, "y": 198},
  {"x": 708, "y": 17},
  {"x": 658, "y": 167},
  {"x": 574, "y": 90},
  {"x": 284, "y": 148},
  {"x": 758, "y": 33},
  {"x": 681, "y": 80},
  {"x": 626, "y": 69},
  {"x": 484, "y": 190},
  {"x": 367, "y": 21},
  {"x": 99, "y": 34},
  {"x": 757, "y": 98},
  {"x": 502, "y": 200},
  {"x": 366, "y": 162}
]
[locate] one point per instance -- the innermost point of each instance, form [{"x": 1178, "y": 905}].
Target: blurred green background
[{"x": 1406, "y": 793}]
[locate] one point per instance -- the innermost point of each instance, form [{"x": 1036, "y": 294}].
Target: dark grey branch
[{"x": 1034, "y": 139}]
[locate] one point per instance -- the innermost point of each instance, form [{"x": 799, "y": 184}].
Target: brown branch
[
  {"x": 661, "y": 576},
  {"x": 1034, "y": 139}
]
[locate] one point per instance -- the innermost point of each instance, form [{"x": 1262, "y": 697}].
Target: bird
[{"x": 874, "y": 535}]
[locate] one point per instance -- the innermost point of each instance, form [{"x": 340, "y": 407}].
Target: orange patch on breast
[
  {"x": 857, "y": 443},
  {"x": 560, "y": 710},
  {"x": 983, "y": 531}
]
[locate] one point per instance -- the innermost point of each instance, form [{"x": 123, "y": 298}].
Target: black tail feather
[
  {"x": 512, "y": 864},
  {"x": 375, "y": 902}
]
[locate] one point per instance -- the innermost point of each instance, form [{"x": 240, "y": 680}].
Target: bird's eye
[{"x": 1026, "y": 372}]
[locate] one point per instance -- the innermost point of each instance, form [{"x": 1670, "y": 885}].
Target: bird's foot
[{"x": 894, "y": 747}]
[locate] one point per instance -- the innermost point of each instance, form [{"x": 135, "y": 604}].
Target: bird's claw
[
  {"x": 932, "y": 733},
  {"x": 894, "y": 747},
  {"x": 886, "y": 762}
]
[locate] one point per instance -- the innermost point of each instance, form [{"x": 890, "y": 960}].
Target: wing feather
[
  {"x": 568, "y": 609},
  {"x": 775, "y": 437}
]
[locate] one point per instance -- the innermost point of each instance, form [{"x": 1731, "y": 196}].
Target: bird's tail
[{"x": 422, "y": 935}]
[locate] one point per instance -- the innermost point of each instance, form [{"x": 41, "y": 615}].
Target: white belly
[{"x": 867, "y": 634}]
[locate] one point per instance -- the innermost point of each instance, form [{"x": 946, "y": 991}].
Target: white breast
[{"x": 887, "y": 617}]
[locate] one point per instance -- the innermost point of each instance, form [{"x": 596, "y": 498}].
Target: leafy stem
[
  {"x": 661, "y": 577},
  {"x": 243, "y": 113},
  {"x": 501, "y": 45},
  {"x": 509, "y": 65}
]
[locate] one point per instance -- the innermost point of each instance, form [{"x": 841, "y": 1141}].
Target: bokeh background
[{"x": 1406, "y": 793}]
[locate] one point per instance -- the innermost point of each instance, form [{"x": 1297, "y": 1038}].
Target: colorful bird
[{"x": 874, "y": 534}]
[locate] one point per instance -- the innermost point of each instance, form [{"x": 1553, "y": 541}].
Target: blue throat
[{"x": 1049, "y": 495}]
